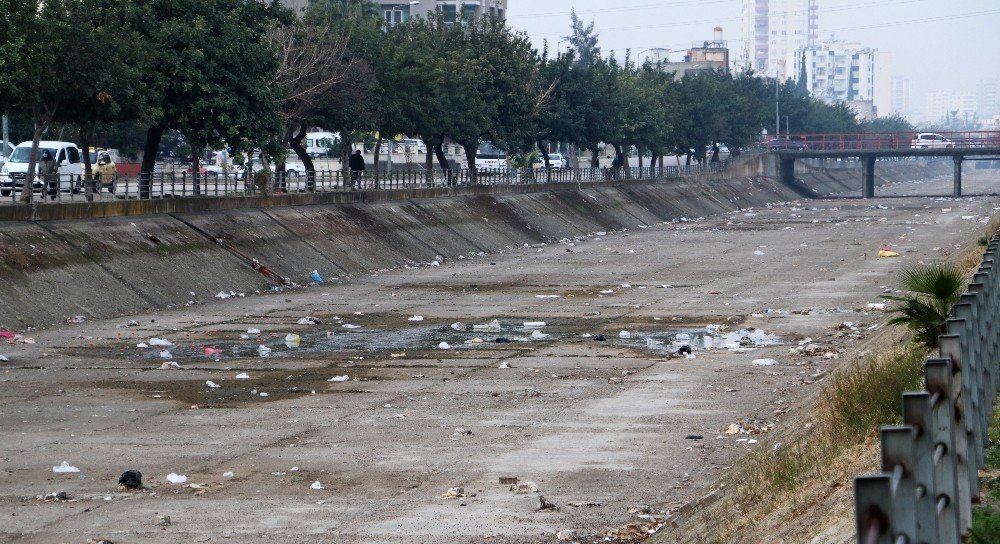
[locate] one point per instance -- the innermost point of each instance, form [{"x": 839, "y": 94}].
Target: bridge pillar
[
  {"x": 786, "y": 170},
  {"x": 868, "y": 171},
  {"x": 958, "y": 176}
]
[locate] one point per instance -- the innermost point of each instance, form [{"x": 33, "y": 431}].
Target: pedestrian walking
[
  {"x": 48, "y": 169},
  {"x": 357, "y": 165}
]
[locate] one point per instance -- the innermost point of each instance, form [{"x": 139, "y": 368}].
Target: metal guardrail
[
  {"x": 72, "y": 188},
  {"x": 930, "y": 464},
  {"x": 884, "y": 141}
]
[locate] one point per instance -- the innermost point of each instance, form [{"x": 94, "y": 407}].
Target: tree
[
  {"x": 893, "y": 123},
  {"x": 216, "y": 76},
  {"x": 933, "y": 290},
  {"x": 583, "y": 40},
  {"x": 39, "y": 37}
]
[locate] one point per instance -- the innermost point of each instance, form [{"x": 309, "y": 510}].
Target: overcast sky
[{"x": 938, "y": 44}]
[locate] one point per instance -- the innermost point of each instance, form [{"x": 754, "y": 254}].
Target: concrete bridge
[{"x": 870, "y": 147}]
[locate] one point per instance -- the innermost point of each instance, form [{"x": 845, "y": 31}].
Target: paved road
[{"x": 601, "y": 425}]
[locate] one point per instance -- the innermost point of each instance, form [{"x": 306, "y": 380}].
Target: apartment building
[
  {"x": 452, "y": 10},
  {"x": 773, "y": 30}
]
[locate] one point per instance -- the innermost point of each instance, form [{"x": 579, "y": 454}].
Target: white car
[
  {"x": 930, "y": 140},
  {"x": 556, "y": 161},
  {"x": 67, "y": 156}
]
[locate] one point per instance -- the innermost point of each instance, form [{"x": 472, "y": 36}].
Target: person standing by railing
[
  {"x": 357, "y": 166},
  {"x": 48, "y": 169}
]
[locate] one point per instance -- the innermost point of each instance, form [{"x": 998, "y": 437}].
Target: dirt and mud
[{"x": 412, "y": 446}]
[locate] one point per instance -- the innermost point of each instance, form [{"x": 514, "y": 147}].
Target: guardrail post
[
  {"x": 937, "y": 374},
  {"x": 954, "y": 347},
  {"x": 872, "y": 505},
  {"x": 899, "y": 461},
  {"x": 917, "y": 414}
]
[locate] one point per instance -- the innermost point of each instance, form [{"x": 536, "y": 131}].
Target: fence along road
[
  {"x": 930, "y": 464},
  {"x": 186, "y": 185}
]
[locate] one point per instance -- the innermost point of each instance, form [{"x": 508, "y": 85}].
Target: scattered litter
[
  {"x": 222, "y": 295},
  {"x": 212, "y": 352},
  {"x": 566, "y": 534},
  {"x": 749, "y": 338},
  {"x": 583, "y": 504},
  {"x": 343, "y": 378},
  {"x": 228, "y": 474},
  {"x": 242, "y": 376},
  {"x": 607, "y": 291},
  {"x": 876, "y": 306},
  {"x": 508, "y": 480},
  {"x": 56, "y": 497},
  {"x": 160, "y": 342},
  {"x": 886, "y": 251},
  {"x": 444, "y": 345},
  {"x": 314, "y": 275},
  {"x": 544, "y": 504},
  {"x": 161, "y": 520},
  {"x": 492, "y": 326},
  {"x": 624, "y": 334},
  {"x": 764, "y": 362},
  {"x": 600, "y": 338},
  {"x": 8, "y": 335},
  {"x": 176, "y": 478},
  {"x": 548, "y": 296},
  {"x": 253, "y": 331},
  {"x": 454, "y": 493},
  {"x": 309, "y": 320},
  {"x": 170, "y": 365},
  {"x": 458, "y": 326},
  {"x": 142, "y": 345},
  {"x": 212, "y": 384},
  {"x": 534, "y": 324},
  {"x": 502, "y": 340},
  {"x": 128, "y": 324},
  {"x": 76, "y": 319},
  {"x": 416, "y": 318},
  {"x": 165, "y": 354},
  {"x": 350, "y": 326},
  {"x": 263, "y": 351},
  {"x": 462, "y": 431},
  {"x": 694, "y": 437},
  {"x": 758, "y": 252},
  {"x": 4, "y": 358},
  {"x": 316, "y": 485},
  {"x": 293, "y": 340},
  {"x": 64, "y": 468},
  {"x": 537, "y": 334},
  {"x": 523, "y": 488},
  {"x": 504, "y": 365}
]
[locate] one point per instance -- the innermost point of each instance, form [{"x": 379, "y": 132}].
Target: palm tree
[{"x": 933, "y": 290}]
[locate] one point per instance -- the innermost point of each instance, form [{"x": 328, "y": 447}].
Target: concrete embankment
[{"x": 124, "y": 264}]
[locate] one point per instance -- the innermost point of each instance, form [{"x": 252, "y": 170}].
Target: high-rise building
[
  {"x": 988, "y": 98},
  {"x": 452, "y": 10},
  {"x": 774, "y": 30},
  {"x": 900, "y": 102},
  {"x": 397, "y": 11},
  {"x": 949, "y": 107},
  {"x": 838, "y": 71}
]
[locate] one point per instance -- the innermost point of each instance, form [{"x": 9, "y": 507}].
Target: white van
[
  {"x": 66, "y": 154},
  {"x": 320, "y": 144},
  {"x": 490, "y": 158}
]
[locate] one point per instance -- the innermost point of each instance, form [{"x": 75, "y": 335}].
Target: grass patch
[
  {"x": 986, "y": 516},
  {"x": 856, "y": 402}
]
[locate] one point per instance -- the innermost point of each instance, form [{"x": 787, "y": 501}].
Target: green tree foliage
[
  {"x": 583, "y": 40},
  {"x": 215, "y": 74},
  {"x": 893, "y": 123},
  {"x": 933, "y": 290}
]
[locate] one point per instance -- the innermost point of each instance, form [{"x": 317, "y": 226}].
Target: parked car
[
  {"x": 103, "y": 167},
  {"x": 787, "y": 144},
  {"x": 556, "y": 161},
  {"x": 67, "y": 155},
  {"x": 930, "y": 140},
  {"x": 411, "y": 145}
]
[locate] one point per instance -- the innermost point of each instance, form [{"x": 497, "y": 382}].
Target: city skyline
[{"x": 956, "y": 38}]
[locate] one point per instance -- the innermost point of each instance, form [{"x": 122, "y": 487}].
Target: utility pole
[
  {"x": 777, "y": 114},
  {"x": 6, "y": 135}
]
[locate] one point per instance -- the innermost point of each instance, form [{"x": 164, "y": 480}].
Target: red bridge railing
[{"x": 885, "y": 141}]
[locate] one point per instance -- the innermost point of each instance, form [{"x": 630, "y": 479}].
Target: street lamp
[{"x": 394, "y": 9}]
